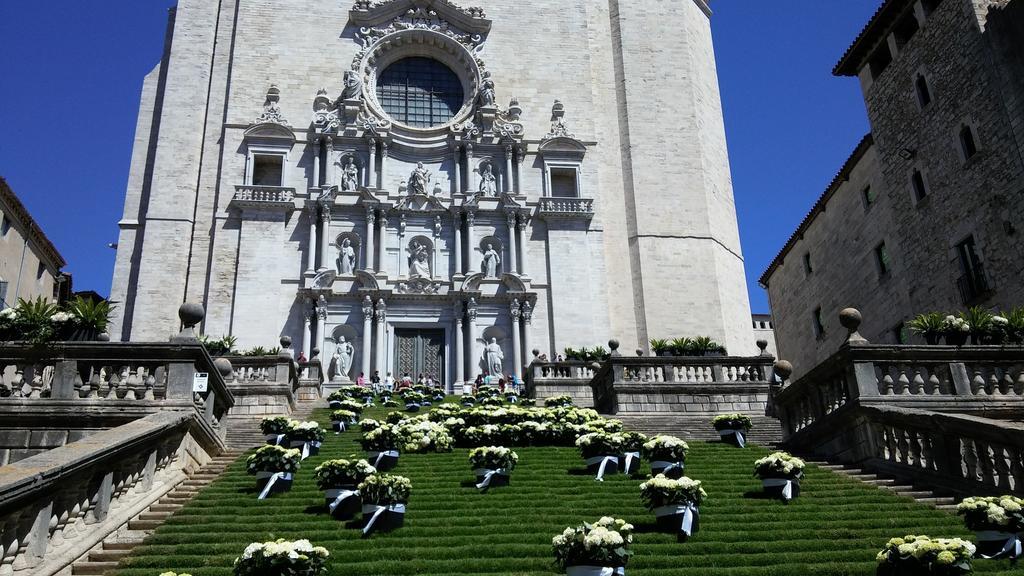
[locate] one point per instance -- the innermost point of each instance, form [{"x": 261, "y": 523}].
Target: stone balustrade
[
  {"x": 556, "y": 207},
  {"x": 572, "y": 378},
  {"x": 264, "y": 385},
  {"x": 57, "y": 505},
  {"x": 264, "y": 197}
]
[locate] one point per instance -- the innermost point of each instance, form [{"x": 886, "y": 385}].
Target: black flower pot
[
  {"x": 345, "y": 509},
  {"x": 778, "y": 491},
  {"x": 594, "y": 465},
  {"x": 392, "y": 518},
  {"x": 383, "y": 461},
  {"x": 630, "y": 464},
  {"x": 668, "y": 469},
  {"x": 670, "y": 520},
  {"x": 281, "y": 485},
  {"x": 498, "y": 479},
  {"x": 956, "y": 339},
  {"x": 932, "y": 339}
]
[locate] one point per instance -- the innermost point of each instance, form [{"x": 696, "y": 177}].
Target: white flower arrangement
[
  {"x": 343, "y": 416},
  {"x": 955, "y": 324},
  {"x": 274, "y": 459},
  {"x": 604, "y": 543},
  {"x": 1001, "y": 514},
  {"x": 337, "y": 473},
  {"x": 298, "y": 558},
  {"x": 380, "y": 439},
  {"x": 278, "y": 425},
  {"x": 8, "y": 314},
  {"x": 305, "y": 431},
  {"x": 61, "y": 317},
  {"x": 174, "y": 574},
  {"x": 493, "y": 458},
  {"x": 779, "y": 465},
  {"x": 661, "y": 491},
  {"x": 948, "y": 557},
  {"x": 564, "y": 401},
  {"x": 385, "y": 489},
  {"x": 425, "y": 436},
  {"x": 732, "y": 422},
  {"x": 1000, "y": 321},
  {"x": 665, "y": 448},
  {"x": 369, "y": 424},
  {"x": 599, "y": 444}
]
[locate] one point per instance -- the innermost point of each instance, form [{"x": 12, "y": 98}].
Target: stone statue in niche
[
  {"x": 419, "y": 180},
  {"x": 349, "y": 175},
  {"x": 493, "y": 358},
  {"x": 488, "y": 184},
  {"x": 353, "y": 86},
  {"x": 487, "y": 96},
  {"x": 346, "y": 258},
  {"x": 341, "y": 363},
  {"x": 419, "y": 263},
  {"x": 491, "y": 262}
]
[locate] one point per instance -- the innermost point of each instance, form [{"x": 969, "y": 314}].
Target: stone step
[
  {"x": 161, "y": 516},
  {"x": 93, "y": 567},
  {"x": 119, "y": 544},
  {"x": 937, "y": 501},
  {"x": 158, "y": 507},
  {"x": 105, "y": 555},
  {"x": 144, "y": 524}
]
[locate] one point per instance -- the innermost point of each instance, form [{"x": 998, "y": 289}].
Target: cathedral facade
[{"x": 421, "y": 186}]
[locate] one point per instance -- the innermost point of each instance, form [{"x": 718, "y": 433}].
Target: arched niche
[
  {"x": 353, "y": 250},
  {"x": 349, "y": 171},
  {"x": 420, "y": 251},
  {"x": 500, "y": 337},
  {"x": 340, "y": 357},
  {"x": 487, "y": 176},
  {"x": 492, "y": 259}
]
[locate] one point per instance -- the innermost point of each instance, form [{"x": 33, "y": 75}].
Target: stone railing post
[
  {"x": 180, "y": 374},
  {"x": 39, "y": 537},
  {"x": 961, "y": 380},
  {"x": 149, "y": 472},
  {"x": 64, "y": 373},
  {"x": 718, "y": 372}
]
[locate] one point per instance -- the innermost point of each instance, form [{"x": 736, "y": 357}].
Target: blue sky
[{"x": 71, "y": 72}]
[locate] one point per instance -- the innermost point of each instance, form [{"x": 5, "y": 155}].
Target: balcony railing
[
  {"x": 274, "y": 197},
  {"x": 553, "y": 207},
  {"x": 973, "y": 286}
]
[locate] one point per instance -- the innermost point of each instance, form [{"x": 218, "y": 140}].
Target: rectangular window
[
  {"x": 869, "y": 197},
  {"x": 563, "y": 183},
  {"x": 40, "y": 270},
  {"x": 819, "y": 325},
  {"x": 267, "y": 170},
  {"x": 807, "y": 264},
  {"x": 924, "y": 94},
  {"x": 3, "y": 295},
  {"x": 5, "y": 227},
  {"x": 917, "y": 182},
  {"x": 905, "y": 29},
  {"x": 882, "y": 259},
  {"x": 880, "y": 60},
  {"x": 968, "y": 146},
  {"x": 972, "y": 284}
]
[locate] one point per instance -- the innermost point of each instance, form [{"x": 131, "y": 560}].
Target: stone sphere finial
[
  {"x": 639, "y": 352},
  {"x": 783, "y": 369},
  {"x": 851, "y": 319},
  {"x": 286, "y": 342},
  {"x": 535, "y": 352},
  {"x": 191, "y": 314},
  {"x": 223, "y": 365},
  {"x": 762, "y": 345},
  {"x": 613, "y": 344}
]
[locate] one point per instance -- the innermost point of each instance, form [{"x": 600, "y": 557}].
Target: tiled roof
[
  {"x": 874, "y": 32},
  {"x": 844, "y": 174},
  {"x": 32, "y": 230}
]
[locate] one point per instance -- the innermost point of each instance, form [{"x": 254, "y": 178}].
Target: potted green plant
[
  {"x": 382, "y": 445},
  {"x": 780, "y": 475},
  {"x": 492, "y": 466},
  {"x": 929, "y": 326},
  {"x": 675, "y": 503},
  {"x": 32, "y": 321},
  {"x": 274, "y": 467},
  {"x": 339, "y": 479},
  {"x": 998, "y": 523},
  {"x": 305, "y": 436},
  {"x": 925, "y": 556},
  {"x": 979, "y": 320},
  {"x": 681, "y": 347},
  {"x": 732, "y": 428},
  {"x": 342, "y": 419},
  {"x": 275, "y": 429},
  {"x": 667, "y": 455},
  {"x": 594, "y": 549},
  {"x": 298, "y": 558},
  {"x": 955, "y": 330},
  {"x": 660, "y": 347},
  {"x": 630, "y": 444},
  {"x": 600, "y": 451},
  {"x": 1014, "y": 325},
  {"x": 384, "y": 497}
]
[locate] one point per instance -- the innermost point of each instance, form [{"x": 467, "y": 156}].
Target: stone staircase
[
  {"x": 767, "y": 431},
  {"x": 104, "y": 557},
  {"x": 921, "y": 495},
  {"x": 244, "y": 433}
]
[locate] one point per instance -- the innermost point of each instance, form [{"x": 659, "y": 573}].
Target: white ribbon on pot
[
  {"x": 604, "y": 460},
  {"x": 340, "y": 426},
  {"x": 334, "y": 404},
  {"x": 740, "y": 439},
  {"x": 594, "y": 571},
  {"x": 277, "y": 438},
  {"x": 378, "y": 510},
  {"x": 667, "y": 466},
  {"x": 630, "y": 456},
  {"x": 274, "y": 477},
  {"x": 689, "y": 511},
  {"x": 786, "y": 485},
  {"x": 1012, "y": 548},
  {"x": 340, "y": 496},
  {"x": 381, "y": 455},
  {"x": 488, "y": 475}
]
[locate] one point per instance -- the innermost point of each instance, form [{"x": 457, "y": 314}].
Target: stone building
[
  {"x": 30, "y": 265},
  {"x": 926, "y": 214},
  {"x": 417, "y": 186}
]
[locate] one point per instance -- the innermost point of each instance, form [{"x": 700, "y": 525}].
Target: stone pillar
[
  {"x": 403, "y": 268},
  {"x": 457, "y": 161},
  {"x": 321, "y": 322},
  {"x": 513, "y": 257},
  {"x": 474, "y": 262},
  {"x": 367, "y": 334},
  {"x": 311, "y": 245},
  {"x": 370, "y": 252},
  {"x": 384, "y": 163},
  {"x": 457, "y": 225},
  {"x": 328, "y": 165},
  {"x": 371, "y": 167},
  {"x": 508, "y": 169},
  {"x": 527, "y": 315},
  {"x": 517, "y": 162},
  {"x": 325, "y": 237},
  {"x": 316, "y": 163},
  {"x": 517, "y": 346},
  {"x": 472, "y": 174},
  {"x": 471, "y": 353},
  {"x": 460, "y": 342},
  {"x": 382, "y": 230},
  {"x": 382, "y": 326},
  {"x": 437, "y": 249},
  {"x": 523, "y": 220},
  {"x": 307, "y": 329}
]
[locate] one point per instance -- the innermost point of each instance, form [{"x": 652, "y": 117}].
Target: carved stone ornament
[
  {"x": 321, "y": 307},
  {"x": 272, "y": 108},
  {"x": 433, "y": 15},
  {"x": 353, "y": 86},
  {"x": 418, "y": 286},
  {"x": 324, "y": 280},
  {"x": 515, "y": 309},
  {"x": 367, "y": 308},
  {"x": 559, "y": 129},
  {"x": 471, "y": 310},
  {"x": 527, "y": 312},
  {"x": 382, "y": 310}
]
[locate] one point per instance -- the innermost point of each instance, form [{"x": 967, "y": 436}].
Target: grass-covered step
[{"x": 836, "y": 526}]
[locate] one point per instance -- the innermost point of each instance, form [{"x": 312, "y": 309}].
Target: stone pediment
[
  {"x": 270, "y": 131},
  {"x": 425, "y": 14},
  {"x": 420, "y": 203}
]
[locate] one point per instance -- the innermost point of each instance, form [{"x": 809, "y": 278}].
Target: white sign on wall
[{"x": 200, "y": 382}]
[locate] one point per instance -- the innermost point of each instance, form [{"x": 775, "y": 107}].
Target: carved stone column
[
  {"x": 371, "y": 167},
  {"x": 370, "y": 232},
  {"x": 311, "y": 213},
  {"x": 307, "y": 328},
  {"x": 523, "y": 221},
  {"x": 474, "y": 262},
  {"x": 403, "y": 268},
  {"x": 321, "y": 322},
  {"x": 527, "y": 325},
  {"x": 471, "y": 356},
  {"x": 382, "y": 229},
  {"x": 316, "y": 163},
  {"x": 382, "y": 326},
  {"x": 457, "y": 162},
  {"x": 517, "y": 162},
  {"x": 460, "y": 342},
  {"x": 457, "y": 225},
  {"x": 508, "y": 170},
  {"x": 434, "y": 271},
  {"x": 367, "y": 333},
  {"x": 513, "y": 257},
  {"x": 328, "y": 170},
  {"x": 325, "y": 236},
  {"x": 383, "y": 163},
  {"x": 472, "y": 175},
  {"x": 517, "y": 347}
]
